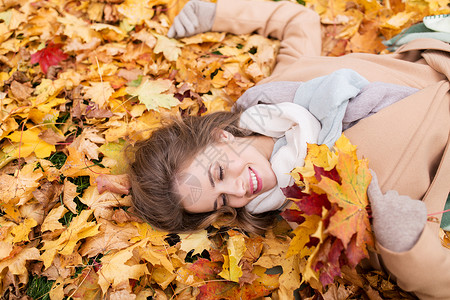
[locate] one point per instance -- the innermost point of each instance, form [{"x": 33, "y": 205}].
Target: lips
[{"x": 255, "y": 181}]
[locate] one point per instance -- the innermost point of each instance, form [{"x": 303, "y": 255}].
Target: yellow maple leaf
[
  {"x": 274, "y": 254},
  {"x": 21, "y": 231},
  {"x": 103, "y": 204},
  {"x": 111, "y": 237},
  {"x": 17, "y": 263},
  {"x": 77, "y": 28},
  {"x": 18, "y": 189},
  {"x": 28, "y": 142},
  {"x": 115, "y": 272},
  {"x": 149, "y": 92},
  {"x": 236, "y": 249},
  {"x": 135, "y": 11},
  {"x": 170, "y": 48},
  {"x": 301, "y": 238},
  {"x": 77, "y": 165},
  {"x": 198, "y": 241},
  {"x": 51, "y": 221},
  {"x": 99, "y": 92},
  {"x": 78, "y": 229}
]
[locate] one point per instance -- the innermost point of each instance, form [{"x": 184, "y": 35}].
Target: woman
[{"x": 406, "y": 143}]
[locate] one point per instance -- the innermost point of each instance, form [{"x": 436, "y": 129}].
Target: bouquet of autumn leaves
[{"x": 330, "y": 207}]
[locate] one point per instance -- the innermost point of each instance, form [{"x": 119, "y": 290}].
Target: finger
[
  {"x": 242, "y": 101},
  {"x": 180, "y": 31},
  {"x": 189, "y": 27},
  {"x": 374, "y": 189},
  {"x": 171, "y": 33},
  {"x": 192, "y": 16}
]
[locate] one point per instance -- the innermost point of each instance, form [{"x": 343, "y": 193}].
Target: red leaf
[
  {"x": 293, "y": 191},
  {"x": 312, "y": 204},
  {"x": 49, "y": 56},
  {"x": 335, "y": 251},
  {"x": 313, "y": 241},
  {"x": 292, "y": 215},
  {"x": 329, "y": 271},
  {"x": 230, "y": 290},
  {"x": 356, "y": 253},
  {"x": 332, "y": 174},
  {"x": 205, "y": 269}
]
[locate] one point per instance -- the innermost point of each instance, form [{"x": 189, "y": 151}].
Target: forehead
[
  {"x": 189, "y": 187},
  {"x": 193, "y": 182}
]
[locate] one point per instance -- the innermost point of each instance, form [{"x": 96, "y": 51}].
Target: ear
[{"x": 225, "y": 136}]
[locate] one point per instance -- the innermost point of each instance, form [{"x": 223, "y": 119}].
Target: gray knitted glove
[
  {"x": 195, "y": 17},
  {"x": 268, "y": 93},
  {"x": 398, "y": 220}
]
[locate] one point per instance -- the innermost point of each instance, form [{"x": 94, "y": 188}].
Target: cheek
[{"x": 238, "y": 202}]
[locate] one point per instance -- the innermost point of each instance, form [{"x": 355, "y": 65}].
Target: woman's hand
[
  {"x": 195, "y": 17},
  {"x": 398, "y": 220},
  {"x": 268, "y": 93}
]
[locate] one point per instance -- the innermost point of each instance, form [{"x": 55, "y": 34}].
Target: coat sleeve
[
  {"x": 424, "y": 269},
  {"x": 297, "y": 27}
]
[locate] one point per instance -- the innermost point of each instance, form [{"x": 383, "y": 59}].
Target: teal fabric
[
  {"x": 445, "y": 222},
  {"x": 417, "y": 31}
]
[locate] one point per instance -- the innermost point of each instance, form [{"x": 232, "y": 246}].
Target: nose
[{"x": 235, "y": 190}]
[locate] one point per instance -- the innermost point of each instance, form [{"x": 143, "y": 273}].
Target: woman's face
[{"x": 230, "y": 172}]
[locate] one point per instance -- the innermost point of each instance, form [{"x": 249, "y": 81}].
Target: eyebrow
[{"x": 211, "y": 180}]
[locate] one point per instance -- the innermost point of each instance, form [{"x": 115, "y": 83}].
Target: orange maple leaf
[{"x": 351, "y": 196}]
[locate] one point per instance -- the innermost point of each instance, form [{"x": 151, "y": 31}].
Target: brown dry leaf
[
  {"x": 69, "y": 193},
  {"x": 21, "y": 91},
  {"x": 78, "y": 229},
  {"x": 17, "y": 264},
  {"x": 86, "y": 286},
  {"x": 111, "y": 237},
  {"x": 103, "y": 204},
  {"x": 115, "y": 271},
  {"x": 80, "y": 109},
  {"x": 51, "y": 221},
  {"x": 51, "y": 137},
  {"x": 119, "y": 184},
  {"x": 19, "y": 189}
]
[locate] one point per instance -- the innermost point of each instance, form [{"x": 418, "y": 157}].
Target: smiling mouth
[{"x": 255, "y": 181}]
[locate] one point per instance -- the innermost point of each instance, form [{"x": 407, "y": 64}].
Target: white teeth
[{"x": 254, "y": 180}]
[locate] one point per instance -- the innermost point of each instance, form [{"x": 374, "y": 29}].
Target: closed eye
[
  {"x": 224, "y": 197},
  {"x": 224, "y": 200},
  {"x": 220, "y": 172}
]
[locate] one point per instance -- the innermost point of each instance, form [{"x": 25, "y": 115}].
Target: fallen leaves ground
[{"x": 79, "y": 81}]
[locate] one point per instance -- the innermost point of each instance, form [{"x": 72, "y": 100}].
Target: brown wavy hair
[{"x": 158, "y": 161}]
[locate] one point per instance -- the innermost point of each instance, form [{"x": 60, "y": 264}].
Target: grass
[{"x": 39, "y": 287}]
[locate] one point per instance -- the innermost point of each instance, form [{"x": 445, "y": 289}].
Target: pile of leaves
[
  {"x": 330, "y": 206},
  {"x": 79, "y": 80}
]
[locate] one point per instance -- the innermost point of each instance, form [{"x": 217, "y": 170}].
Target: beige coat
[{"x": 406, "y": 143}]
